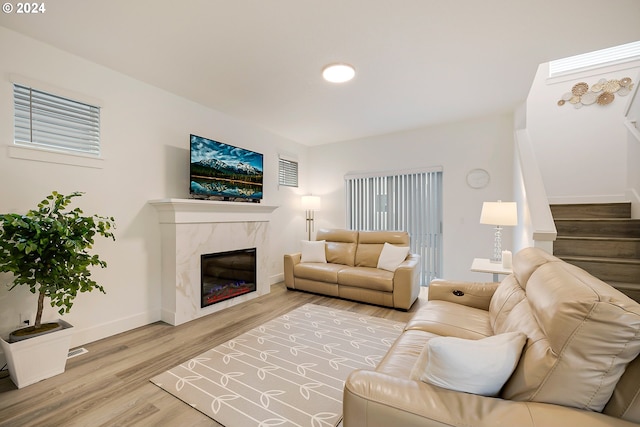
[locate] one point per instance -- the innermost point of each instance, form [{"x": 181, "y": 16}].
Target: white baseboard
[
  {"x": 94, "y": 333},
  {"x": 277, "y": 278}
]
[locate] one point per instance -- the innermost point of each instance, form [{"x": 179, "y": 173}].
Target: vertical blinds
[
  {"x": 52, "y": 121},
  {"x": 403, "y": 201},
  {"x": 287, "y": 172}
]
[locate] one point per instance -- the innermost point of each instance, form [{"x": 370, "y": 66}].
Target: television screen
[{"x": 222, "y": 171}]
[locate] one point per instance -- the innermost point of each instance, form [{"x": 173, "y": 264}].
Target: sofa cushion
[
  {"x": 313, "y": 251},
  {"x": 403, "y": 354},
  {"x": 392, "y": 256},
  {"x": 527, "y": 261},
  {"x": 341, "y": 245},
  {"x": 508, "y": 294},
  {"x": 370, "y": 244},
  {"x": 471, "y": 366},
  {"x": 450, "y": 319},
  {"x": 582, "y": 334},
  {"x": 364, "y": 277},
  {"x": 625, "y": 400},
  {"x": 322, "y": 272}
]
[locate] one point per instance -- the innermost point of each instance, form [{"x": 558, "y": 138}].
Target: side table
[{"x": 484, "y": 265}]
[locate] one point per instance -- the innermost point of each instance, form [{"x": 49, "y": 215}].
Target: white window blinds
[
  {"x": 287, "y": 172},
  {"x": 50, "y": 121},
  {"x": 404, "y": 201},
  {"x": 598, "y": 58}
]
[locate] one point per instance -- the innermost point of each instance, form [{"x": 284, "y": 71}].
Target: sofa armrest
[
  {"x": 290, "y": 261},
  {"x": 406, "y": 282},
  {"x": 375, "y": 399},
  {"x": 472, "y": 294}
]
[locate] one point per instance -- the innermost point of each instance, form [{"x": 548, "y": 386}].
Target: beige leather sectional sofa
[
  {"x": 578, "y": 365},
  {"x": 351, "y": 269}
]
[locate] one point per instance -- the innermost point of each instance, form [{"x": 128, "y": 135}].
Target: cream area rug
[{"x": 288, "y": 372}]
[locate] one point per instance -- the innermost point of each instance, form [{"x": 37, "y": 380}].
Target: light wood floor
[{"x": 109, "y": 386}]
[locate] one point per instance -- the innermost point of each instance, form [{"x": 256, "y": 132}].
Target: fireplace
[
  {"x": 189, "y": 228},
  {"x": 225, "y": 275}
]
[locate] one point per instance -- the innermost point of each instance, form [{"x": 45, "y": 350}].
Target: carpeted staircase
[{"x": 602, "y": 239}]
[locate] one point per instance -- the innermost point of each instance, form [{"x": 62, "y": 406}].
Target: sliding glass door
[{"x": 405, "y": 200}]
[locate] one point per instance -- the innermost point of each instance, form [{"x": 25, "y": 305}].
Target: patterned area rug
[{"x": 288, "y": 372}]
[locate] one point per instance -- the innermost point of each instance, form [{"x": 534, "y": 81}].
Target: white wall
[
  {"x": 633, "y": 157},
  {"x": 583, "y": 152},
  {"x": 145, "y": 138},
  {"x": 458, "y": 147}
]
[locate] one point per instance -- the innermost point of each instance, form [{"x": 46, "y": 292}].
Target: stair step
[
  {"x": 602, "y": 239},
  {"x": 619, "y": 247},
  {"x": 608, "y": 269},
  {"x": 591, "y": 210},
  {"x": 598, "y": 227}
]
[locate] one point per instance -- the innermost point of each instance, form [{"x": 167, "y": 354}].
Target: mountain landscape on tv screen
[
  {"x": 222, "y": 170},
  {"x": 217, "y": 168}
]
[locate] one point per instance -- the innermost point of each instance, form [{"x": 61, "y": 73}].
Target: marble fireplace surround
[{"x": 191, "y": 227}]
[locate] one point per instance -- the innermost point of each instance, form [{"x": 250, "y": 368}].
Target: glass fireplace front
[{"x": 226, "y": 275}]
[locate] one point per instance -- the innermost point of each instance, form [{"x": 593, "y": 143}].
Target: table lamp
[{"x": 499, "y": 214}]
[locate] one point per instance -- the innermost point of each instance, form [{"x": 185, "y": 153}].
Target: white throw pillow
[
  {"x": 472, "y": 366},
  {"x": 313, "y": 251},
  {"x": 392, "y": 256}
]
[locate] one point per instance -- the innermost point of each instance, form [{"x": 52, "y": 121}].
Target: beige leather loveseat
[
  {"x": 579, "y": 364},
  {"x": 350, "y": 268}
]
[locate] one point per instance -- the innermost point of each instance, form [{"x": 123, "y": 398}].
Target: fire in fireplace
[{"x": 226, "y": 275}]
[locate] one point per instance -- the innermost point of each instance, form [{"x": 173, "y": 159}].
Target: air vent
[{"x": 77, "y": 352}]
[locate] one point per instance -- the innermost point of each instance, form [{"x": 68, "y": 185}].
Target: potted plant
[{"x": 47, "y": 250}]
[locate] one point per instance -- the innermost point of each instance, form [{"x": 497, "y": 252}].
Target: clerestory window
[{"x": 613, "y": 55}]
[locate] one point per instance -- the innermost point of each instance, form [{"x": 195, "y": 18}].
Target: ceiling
[{"x": 418, "y": 62}]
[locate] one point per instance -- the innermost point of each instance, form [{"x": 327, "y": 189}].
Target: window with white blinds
[
  {"x": 409, "y": 201},
  {"x": 287, "y": 172},
  {"x": 50, "y": 121},
  {"x": 612, "y": 55}
]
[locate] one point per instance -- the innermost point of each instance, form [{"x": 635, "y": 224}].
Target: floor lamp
[
  {"x": 310, "y": 204},
  {"x": 499, "y": 214}
]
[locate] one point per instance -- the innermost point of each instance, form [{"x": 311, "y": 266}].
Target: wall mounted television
[{"x": 223, "y": 172}]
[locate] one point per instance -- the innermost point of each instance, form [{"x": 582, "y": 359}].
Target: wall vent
[{"x": 77, "y": 352}]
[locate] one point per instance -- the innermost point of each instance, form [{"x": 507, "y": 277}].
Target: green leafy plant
[{"x": 47, "y": 250}]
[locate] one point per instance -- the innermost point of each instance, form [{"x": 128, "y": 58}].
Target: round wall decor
[{"x": 478, "y": 178}]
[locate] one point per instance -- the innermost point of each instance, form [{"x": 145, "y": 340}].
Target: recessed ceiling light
[{"x": 338, "y": 73}]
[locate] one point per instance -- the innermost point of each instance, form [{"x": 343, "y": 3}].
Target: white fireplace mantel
[
  {"x": 186, "y": 211},
  {"x": 190, "y": 228}
]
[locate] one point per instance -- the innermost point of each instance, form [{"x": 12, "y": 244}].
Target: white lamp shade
[
  {"x": 499, "y": 213},
  {"x": 311, "y": 203}
]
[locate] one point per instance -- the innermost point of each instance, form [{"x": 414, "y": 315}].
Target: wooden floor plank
[{"x": 109, "y": 385}]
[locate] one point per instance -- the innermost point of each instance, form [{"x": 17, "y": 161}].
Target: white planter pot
[{"x": 38, "y": 358}]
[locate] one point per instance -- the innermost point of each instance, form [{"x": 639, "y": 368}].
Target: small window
[
  {"x": 613, "y": 55},
  {"x": 288, "y": 172},
  {"x": 49, "y": 121}
]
